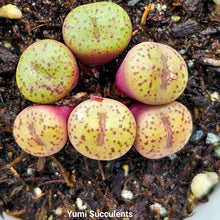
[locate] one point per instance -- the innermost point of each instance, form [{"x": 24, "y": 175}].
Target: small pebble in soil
[
  {"x": 10, "y": 11},
  {"x": 164, "y": 7},
  {"x": 175, "y": 18},
  {"x": 190, "y": 63},
  {"x": 132, "y": 2},
  {"x": 160, "y": 7},
  {"x": 80, "y": 205},
  {"x": 58, "y": 211},
  {"x": 30, "y": 171},
  {"x": 54, "y": 164},
  {"x": 172, "y": 157},
  {"x": 157, "y": 207},
  {"x": 37, "y": 191},
  {"x": 215, "y": 97},
  {"x": 127, "y": 194},
  {"x": 197, "y": 135},
  {"x": 7, "y": 45},
  {"x": 217, "y": 150},
  {"x": 212, "y": 139},
  {"x": 202, "y": 183}
]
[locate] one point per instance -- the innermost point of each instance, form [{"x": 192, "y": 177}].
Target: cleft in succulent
[
  {"x": 101, "y": 128},
  {"x": 102, "y": 123},
  {"x": 96, "y": 31},
  {"x": 41, "y": 130}
]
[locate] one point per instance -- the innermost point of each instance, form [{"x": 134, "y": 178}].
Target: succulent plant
[
  {"x": 97, "y": 32},
  {"x": 41, "y": 130},
  {"x": 161, "y": 129},
  {"x": 152, "y": 73},
  {"x": 46, "y": 71},
  {"x": 101, "y": 128}
]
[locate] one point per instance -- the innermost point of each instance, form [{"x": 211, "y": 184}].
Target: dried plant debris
[{"x": 69, "y": 184}]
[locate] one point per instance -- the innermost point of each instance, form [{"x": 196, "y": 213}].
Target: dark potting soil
[{"x": 99, "y": 184}]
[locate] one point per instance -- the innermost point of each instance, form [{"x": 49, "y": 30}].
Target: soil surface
[{"x": 191, "y": 27}]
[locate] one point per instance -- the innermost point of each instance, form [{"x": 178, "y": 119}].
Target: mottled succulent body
[
  {"x": 161, "y": 130},
  {"x": 101, "y": 128},
  {"x": 152, "y": 73},
  {"x": 41, "y": 130},
  {"x": 97, "y": 32},
  {"x": 46, "y": 72}
]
